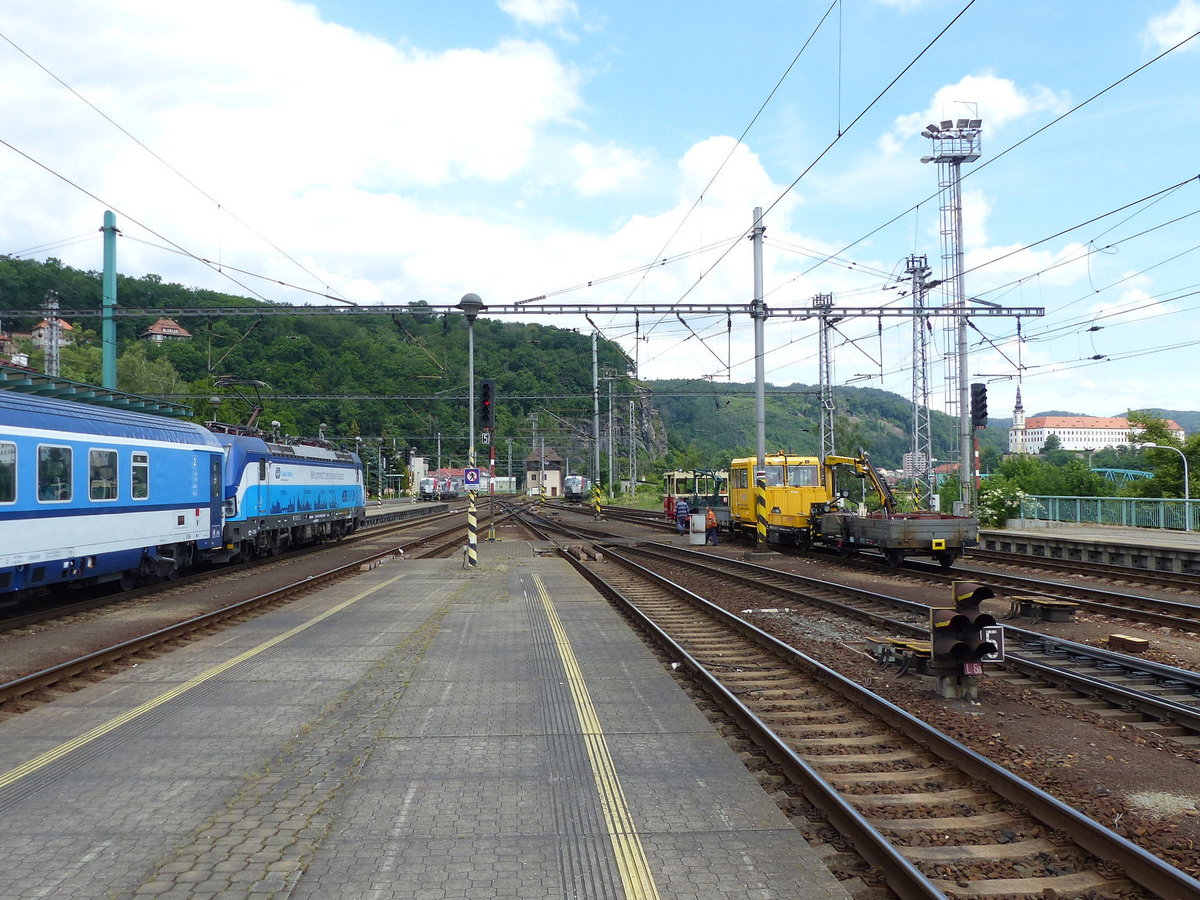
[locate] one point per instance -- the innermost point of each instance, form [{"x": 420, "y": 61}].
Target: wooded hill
[{"x": 404, "y": 378}]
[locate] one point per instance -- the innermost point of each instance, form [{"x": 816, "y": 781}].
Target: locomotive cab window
[
  {"x": 802, "y": 476},
  {"x": 139, "y": 475},
  {"x": 102, "y": 474},
  {"x": 8, "y": 472},
  {"x": 53, "y": 474}
]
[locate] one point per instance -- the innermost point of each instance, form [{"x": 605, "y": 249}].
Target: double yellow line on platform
[{"x": 636, "y": 877}]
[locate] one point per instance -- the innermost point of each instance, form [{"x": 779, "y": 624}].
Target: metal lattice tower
[
  {"x": 53, "y": 335},
  {"x": 955, "y": 143},
  {"x": 922, "y": 432}
]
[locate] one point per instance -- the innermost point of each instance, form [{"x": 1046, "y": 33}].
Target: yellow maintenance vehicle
[{"x": 804, "y": 508}]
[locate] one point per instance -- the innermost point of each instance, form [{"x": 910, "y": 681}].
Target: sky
[{"x": 613, "y": 153}]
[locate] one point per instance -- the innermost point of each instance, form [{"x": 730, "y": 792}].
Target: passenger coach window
[
  {"x": 54, "y": 473},
  {"x": 102, "y": 474},
  {"x": 140, "y": 475},
  {"x": 8, "y": 472}
]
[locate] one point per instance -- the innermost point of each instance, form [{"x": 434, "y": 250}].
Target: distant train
[
  {"x": 576, "y": 488},
  {"x": 90, "y": 494},
  {"x": 439, "y": 487}
]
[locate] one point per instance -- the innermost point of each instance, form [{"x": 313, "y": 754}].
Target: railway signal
[
  {"x": 961, "y": 639},
  {"x": 979, "y": 411},
  {"x": 487, "y": 404}
]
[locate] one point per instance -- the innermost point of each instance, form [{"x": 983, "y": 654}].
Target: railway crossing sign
[{"x": 471, "y": 477}]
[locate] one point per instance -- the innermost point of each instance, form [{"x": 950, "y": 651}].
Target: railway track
[
  {"x": 86, "y": 599},
  {"x": 26, "y": 691},
  {"x": 1181, "y": 614},
  {"x": 1139, "y": 692},
  {"x": 1174, "y": 581},
  {"x": 935, "y": 818}
]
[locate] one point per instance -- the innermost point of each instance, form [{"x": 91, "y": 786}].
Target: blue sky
[{"x": 393, "y": 152}]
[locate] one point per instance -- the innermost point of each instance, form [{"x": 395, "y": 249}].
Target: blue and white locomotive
[
  {"x": 91, "y": 494},
  {"x": 283, "y": 494}
]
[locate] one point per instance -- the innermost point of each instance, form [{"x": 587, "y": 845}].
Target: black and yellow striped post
[
  {"x": 596, "y": 500},
  {"x": 472, "y": 531},
  {"x": 760, "y": 509}
]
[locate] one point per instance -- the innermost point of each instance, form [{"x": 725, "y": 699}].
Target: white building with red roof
[{"x": 1074, "y": 432}]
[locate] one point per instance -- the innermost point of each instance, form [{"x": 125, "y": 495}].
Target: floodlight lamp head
[
  {"x": 947, "y": 124},
  {"x": 932, "y": 127},
  {"x": 963, "y": 123},
  {"x": 926, "y": 159}
]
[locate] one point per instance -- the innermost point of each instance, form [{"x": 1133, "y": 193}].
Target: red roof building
[{"x": 165, "y": 330}]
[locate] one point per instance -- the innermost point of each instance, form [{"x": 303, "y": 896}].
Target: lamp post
[
  {"x": 471, "y": 304},
  {"x": 1187, "y": 497}
]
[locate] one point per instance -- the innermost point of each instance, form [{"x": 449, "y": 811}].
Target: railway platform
[
  {"x": 1153, "y": 549},
  {"x": 419, "y": 731}
]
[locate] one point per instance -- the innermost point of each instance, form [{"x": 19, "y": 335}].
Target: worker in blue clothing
[{"x": 681, "y": 515}]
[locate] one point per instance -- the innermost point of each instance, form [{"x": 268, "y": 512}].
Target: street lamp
[
  {"x": 471, "y": 304},
  {"x": 1187, "y": 505}
]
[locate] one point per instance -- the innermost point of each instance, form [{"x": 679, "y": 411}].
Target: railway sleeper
[
  {"x": 960, "y": 854},
  {"x": 956, "y": 797},
  {"x": 932, "y": 775},
  {"x": 801, "y": 733},
  {"x": 1072, "y": 885},
  {"x": 848, "y": 761},
  {"x": 945, "y": 824}
]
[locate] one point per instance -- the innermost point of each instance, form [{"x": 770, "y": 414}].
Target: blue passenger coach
[{"x": 89, "y": 493}]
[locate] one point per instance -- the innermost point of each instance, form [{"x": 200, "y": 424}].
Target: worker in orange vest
[{"x": 710, "y": 526}]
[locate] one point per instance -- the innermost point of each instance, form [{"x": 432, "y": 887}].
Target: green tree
[{"x": 138, "y": 372}]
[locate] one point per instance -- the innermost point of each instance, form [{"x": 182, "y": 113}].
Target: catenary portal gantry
[{"x": 695, "y": 309}]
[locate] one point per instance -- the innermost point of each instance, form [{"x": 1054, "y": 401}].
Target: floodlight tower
[{"x": 954, "y": 143}]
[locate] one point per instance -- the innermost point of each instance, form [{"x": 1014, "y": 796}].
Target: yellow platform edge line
[
  {"x": 636, "y": 877},
  {"x": 63, "y": 749}
]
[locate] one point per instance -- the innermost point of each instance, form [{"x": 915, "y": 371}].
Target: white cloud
[
  {"x": 997, "y": 101},
  {"x": 540, "y": 12},
  {"x": 1172, "y": 27},
  {"x": 606, "y": 169}
]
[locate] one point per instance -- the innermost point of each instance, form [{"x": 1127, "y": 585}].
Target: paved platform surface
[
  {"x": 421, "y": 731},
  {"x": 1133, "y": 537}
]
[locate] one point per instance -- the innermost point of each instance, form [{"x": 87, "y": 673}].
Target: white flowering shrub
[{"x": 999, "y": 500}]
